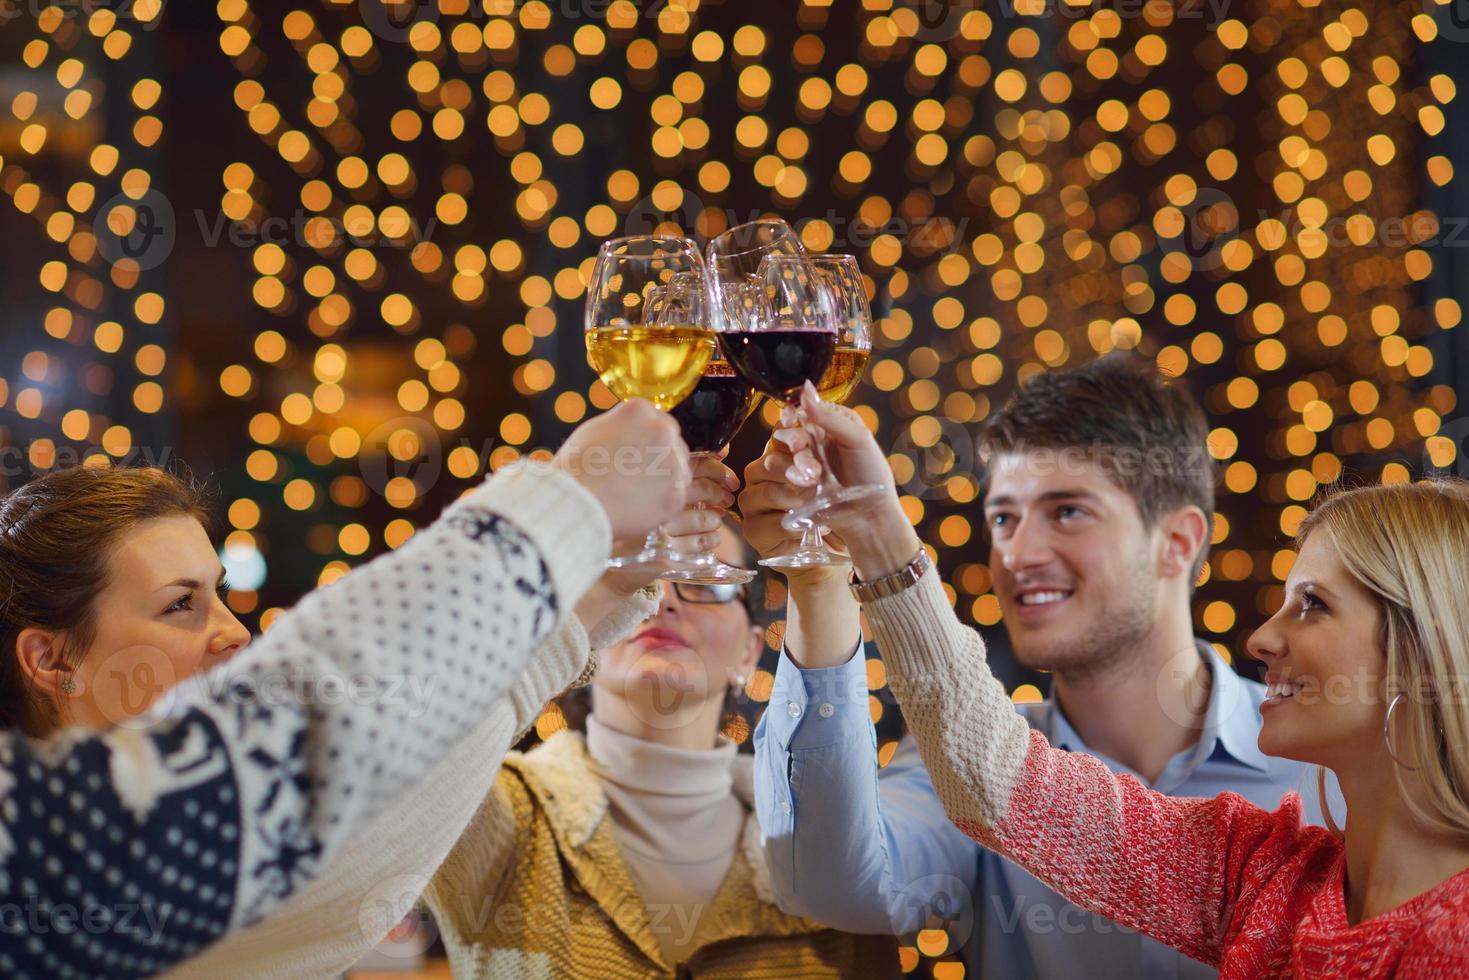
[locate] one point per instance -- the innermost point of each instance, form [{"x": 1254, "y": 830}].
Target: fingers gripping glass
[
  {"x": 708, "y": 417},
  {"x": 641, "y": 348}
]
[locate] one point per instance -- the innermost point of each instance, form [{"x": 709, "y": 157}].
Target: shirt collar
[{"x": 1231, "y": 720}]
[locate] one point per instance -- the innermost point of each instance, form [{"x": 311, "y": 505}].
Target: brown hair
[
  {"x": 56, "y": 537},
  {"x": 1145, "y": 432}
]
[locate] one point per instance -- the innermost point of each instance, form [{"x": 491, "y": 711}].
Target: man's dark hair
[{"x": 1147, "y": 433}]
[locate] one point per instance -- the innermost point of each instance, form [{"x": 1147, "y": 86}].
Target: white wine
[
  {"x": 662, "y": 364},
  {"x": 846, "y": 369}
]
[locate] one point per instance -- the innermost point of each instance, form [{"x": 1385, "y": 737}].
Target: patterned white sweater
[{"x": 125, "y": 852}]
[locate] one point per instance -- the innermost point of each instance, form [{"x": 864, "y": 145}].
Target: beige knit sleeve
[
  {"x": 464, "y": 892},
  {"x": 972, "y": 740}
]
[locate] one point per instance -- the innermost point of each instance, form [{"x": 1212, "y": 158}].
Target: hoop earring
[{"x": 1387, "y": 735}]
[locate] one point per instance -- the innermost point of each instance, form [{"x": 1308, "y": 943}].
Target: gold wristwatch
[{"x": 904, "y": 578}]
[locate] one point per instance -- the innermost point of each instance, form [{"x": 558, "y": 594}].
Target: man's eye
[
  {"x": 1067, "y": 511},
  {"x": 997, "y": 519}
]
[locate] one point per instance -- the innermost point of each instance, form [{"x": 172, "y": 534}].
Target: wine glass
[
  {"x": 709, "y": 417},
  {"x": 640, "y": 350},
  {"x": 843, "y": 277},
  {"x": 777, "y": 317}
]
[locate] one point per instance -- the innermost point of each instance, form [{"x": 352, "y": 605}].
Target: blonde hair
[{"x": 1408, "y": 544}]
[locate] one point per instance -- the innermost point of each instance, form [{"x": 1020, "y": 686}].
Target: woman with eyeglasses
[{"x": 630, "y": 849}]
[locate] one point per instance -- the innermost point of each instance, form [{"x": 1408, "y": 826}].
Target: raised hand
[
  {"x": 878, "y": 533},
  {"x": 696, "y": 528},
  {"x": 769, "y": 493},
  {"x": 693, "y": 529},
  {"x": 633, "y": 460}
]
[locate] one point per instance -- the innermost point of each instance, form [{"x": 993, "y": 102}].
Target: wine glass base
[
  {"x": 802, "y": 516},
  {"x": 806, "y": 558},
  {"x": 712, "y": 575},
  {"x": 654, "y": 562}
]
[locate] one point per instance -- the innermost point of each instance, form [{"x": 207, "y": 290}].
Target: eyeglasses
[{"x": 716, "y": 594}]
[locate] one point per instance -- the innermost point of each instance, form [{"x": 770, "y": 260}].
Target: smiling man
[{"x": 1098, "y": 503}]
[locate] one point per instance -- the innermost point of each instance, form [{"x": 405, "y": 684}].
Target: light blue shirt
[{"x": 868, "y": 849}]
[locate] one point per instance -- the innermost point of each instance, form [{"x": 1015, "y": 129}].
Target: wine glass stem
[
  {"x": 658, "y": 541},
  {"x": 818, "y": 449},
  {"x": 694, "y": 460}
]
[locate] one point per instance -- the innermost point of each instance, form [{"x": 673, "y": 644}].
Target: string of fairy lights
[{"x": 1025, "y": 185}]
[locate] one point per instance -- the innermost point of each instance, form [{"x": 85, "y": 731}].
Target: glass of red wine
[
  {"x": 709, "y": 417},
  {"x": 776, "y": 319}
]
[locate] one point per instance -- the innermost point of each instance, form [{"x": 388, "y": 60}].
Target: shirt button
[
  {"x": 793, "y": 709},
  {"x": 826, "y": 710},
  {"x": 785, "y": 807}
]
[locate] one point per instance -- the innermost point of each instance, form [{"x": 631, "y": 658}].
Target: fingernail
[
  {"x": 799, "y": 475},
  {"x": 732, "y": 481}
]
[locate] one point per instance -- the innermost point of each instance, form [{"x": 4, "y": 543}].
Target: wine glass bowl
[
  {"x": 637, "y": 347},
  {"x": 646, "y": 338}
]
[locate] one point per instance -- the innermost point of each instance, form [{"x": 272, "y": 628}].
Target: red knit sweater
[{"x": 1256, "y": 893}]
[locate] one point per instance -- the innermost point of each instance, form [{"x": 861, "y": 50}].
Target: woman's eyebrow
[{"x": 190, "y": 583}]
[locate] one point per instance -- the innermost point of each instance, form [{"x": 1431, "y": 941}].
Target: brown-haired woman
[
  {"x": 208, "y": 812},
  {"x": 78, "y": 554}
]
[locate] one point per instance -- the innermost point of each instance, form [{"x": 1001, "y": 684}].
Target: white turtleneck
[{"x": 677, "y": 822}]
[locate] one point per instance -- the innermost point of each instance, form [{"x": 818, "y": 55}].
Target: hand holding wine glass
[
  {"x": 875, "y": 530},
  {"x": 633, "y": 460}
]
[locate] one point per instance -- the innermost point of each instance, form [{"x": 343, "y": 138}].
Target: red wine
[
  {"x": 715, "y": 410},
  {"x": 778, "y": 362}
]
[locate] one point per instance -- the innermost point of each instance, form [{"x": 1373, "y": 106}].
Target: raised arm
[
  {"x": 851, "y": 845},
  {"x": 134, "y": 848}
]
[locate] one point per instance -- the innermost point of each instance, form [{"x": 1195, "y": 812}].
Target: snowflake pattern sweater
[
  {"x": 126, "y": 851},
  {"x": 1254, "y": 893}
]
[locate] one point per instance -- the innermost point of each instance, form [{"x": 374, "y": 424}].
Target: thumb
[{"x": 842, "y": 425}]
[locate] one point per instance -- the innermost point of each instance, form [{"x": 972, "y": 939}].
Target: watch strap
[{"x": 904, "y": 578}]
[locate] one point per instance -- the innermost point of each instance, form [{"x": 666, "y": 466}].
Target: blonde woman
[
  {"x": 630, "y": 850},
  {"x": 1366, "y": 661}
]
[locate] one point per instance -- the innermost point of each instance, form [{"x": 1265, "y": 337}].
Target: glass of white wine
[{"x": 639, "y": 351}]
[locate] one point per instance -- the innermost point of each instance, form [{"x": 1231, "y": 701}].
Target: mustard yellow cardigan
[{"x": 536, "y": 888}]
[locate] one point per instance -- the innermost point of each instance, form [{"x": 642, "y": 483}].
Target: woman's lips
[{"x": 658, "y": 638}]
